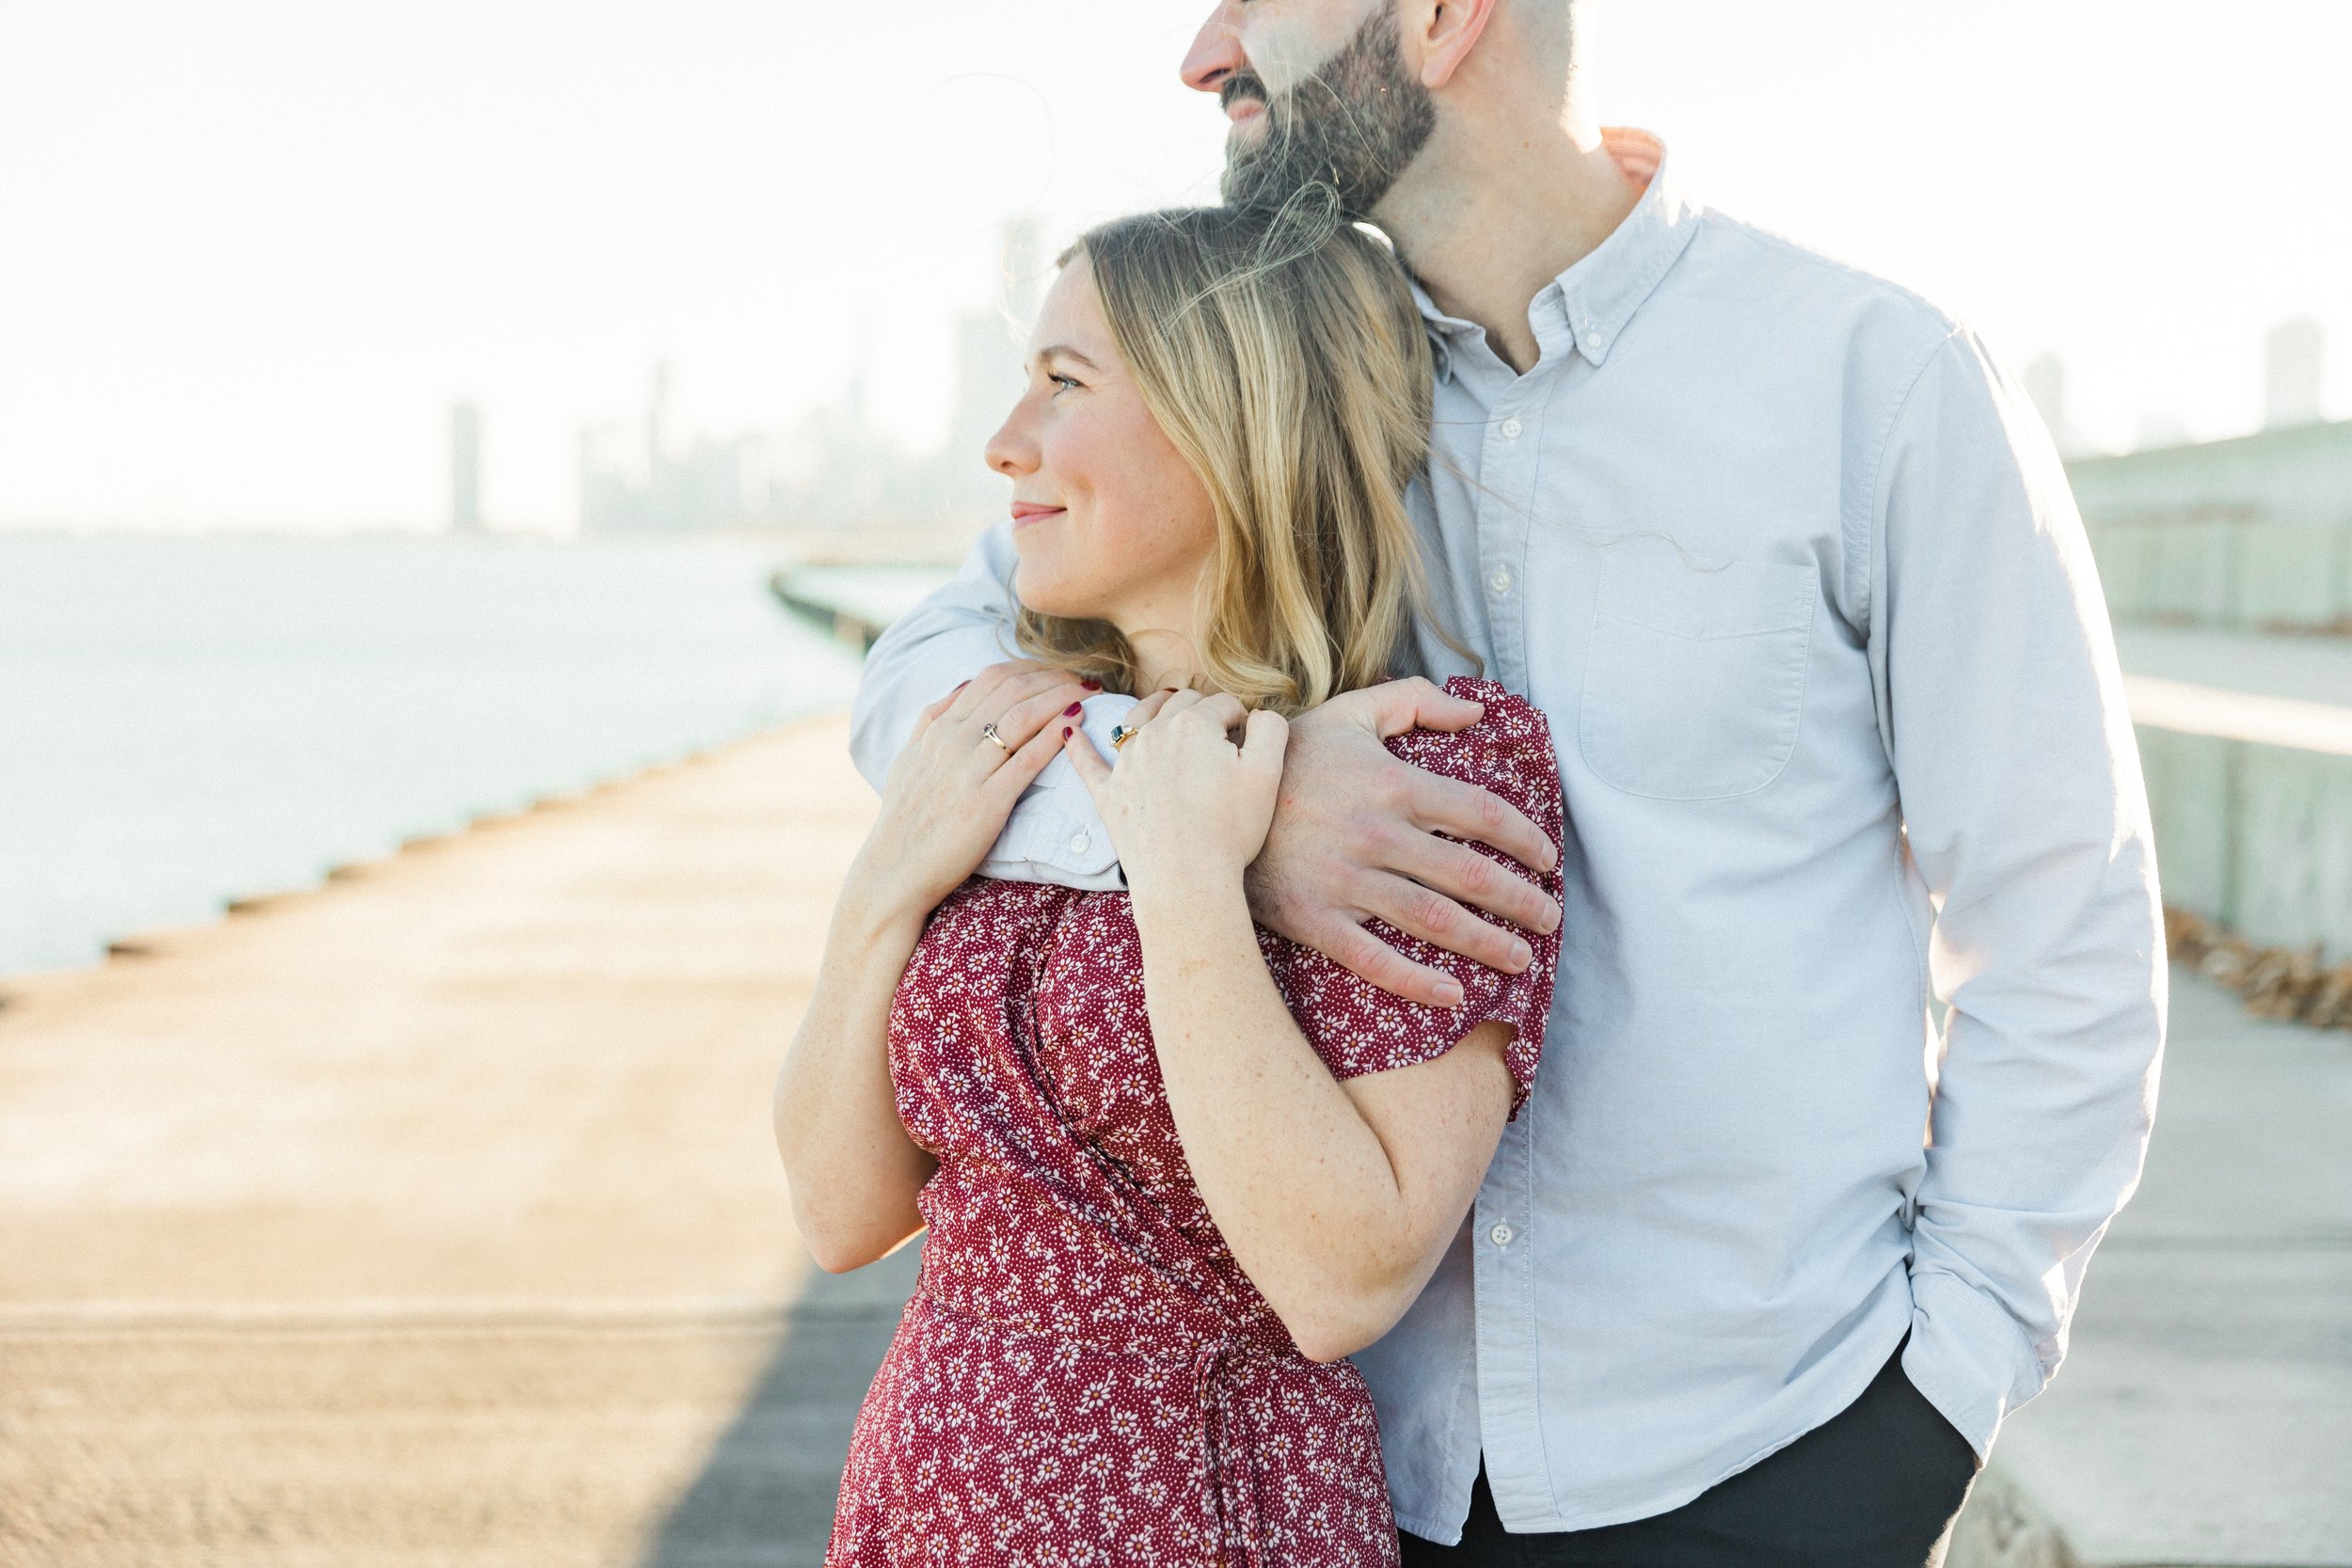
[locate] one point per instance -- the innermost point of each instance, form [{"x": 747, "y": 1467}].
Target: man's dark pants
[{"x": 1876, "y": 1486}]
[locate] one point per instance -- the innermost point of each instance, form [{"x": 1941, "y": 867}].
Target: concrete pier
[
  {"x": 433, "y": 1217},
  {"x": 856, "y": 603},
  {"x": 2247, "y": 743},
  {"x": 2203, "y": 1415}
]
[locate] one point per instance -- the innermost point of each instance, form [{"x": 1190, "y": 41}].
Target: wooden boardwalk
[{"x": 433, "y": 1217}]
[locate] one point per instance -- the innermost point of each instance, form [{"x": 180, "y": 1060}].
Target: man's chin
[{"x": 1246, "y": 181}]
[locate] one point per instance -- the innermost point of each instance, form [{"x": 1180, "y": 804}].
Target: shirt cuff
[
  {"x": 1968, "y": 1358},
  {"x": 1055, "y": 834}
]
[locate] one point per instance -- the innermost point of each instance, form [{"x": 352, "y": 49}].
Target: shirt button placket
[
  {"x": 1502, "y": 528},
  {"x": 1503, "y": 1269}
]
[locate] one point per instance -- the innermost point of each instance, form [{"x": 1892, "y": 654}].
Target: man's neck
[{"x": 1490, "y": 213}]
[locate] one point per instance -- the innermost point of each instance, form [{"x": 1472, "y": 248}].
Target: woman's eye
[{"x": 1063, "y": 382}]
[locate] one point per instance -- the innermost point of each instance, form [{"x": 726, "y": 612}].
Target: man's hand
[{"x": 1354, "y": 838}]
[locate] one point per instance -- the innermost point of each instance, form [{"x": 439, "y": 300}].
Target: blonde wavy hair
[{"x": 1283, "y": 356}]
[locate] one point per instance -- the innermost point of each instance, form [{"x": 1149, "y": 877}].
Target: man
[{"x": 1794, "y": 572}]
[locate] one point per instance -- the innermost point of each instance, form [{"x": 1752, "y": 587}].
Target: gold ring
[
  {"x": 1122, "y": 733},
  {"x": 990, "y": 731}
]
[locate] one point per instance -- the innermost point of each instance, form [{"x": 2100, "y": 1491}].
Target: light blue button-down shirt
[{"x": 1794, "y": 571}]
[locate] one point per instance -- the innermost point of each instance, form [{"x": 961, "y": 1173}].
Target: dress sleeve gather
[{"x": 1358, "y": 1028}]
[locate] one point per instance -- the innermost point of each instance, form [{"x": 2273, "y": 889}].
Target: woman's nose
[{"x": 1011, "y": 452}]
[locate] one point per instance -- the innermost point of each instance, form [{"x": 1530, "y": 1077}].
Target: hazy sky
[{"x": 251, "y": 249}]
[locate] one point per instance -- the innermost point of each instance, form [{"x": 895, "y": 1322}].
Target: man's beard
[{"x": 1354, "y": 124}]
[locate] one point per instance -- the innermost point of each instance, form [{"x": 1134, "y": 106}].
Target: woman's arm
[
  {"x": 852, "y": 1170},
  {"x": 1338, "y": 1198}
]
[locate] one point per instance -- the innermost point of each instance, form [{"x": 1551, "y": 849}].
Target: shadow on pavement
[{"x": 764, "y": 1499}]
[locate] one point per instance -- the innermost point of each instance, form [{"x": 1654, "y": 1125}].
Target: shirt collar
[{"x": 1599, "y": 295}]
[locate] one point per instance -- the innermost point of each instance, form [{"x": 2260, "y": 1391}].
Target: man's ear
[{"x": 1439, "y": 35}]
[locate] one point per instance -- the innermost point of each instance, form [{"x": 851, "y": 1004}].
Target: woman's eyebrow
[{"x": 1063, "y": 351}]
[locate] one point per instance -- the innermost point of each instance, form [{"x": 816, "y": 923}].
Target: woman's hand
[
  {"x": 948, "y": 794},
  {"x": 1183, "y": 802}
]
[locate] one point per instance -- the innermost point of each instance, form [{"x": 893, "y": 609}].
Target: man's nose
[{"x": 1215, "y": 52}]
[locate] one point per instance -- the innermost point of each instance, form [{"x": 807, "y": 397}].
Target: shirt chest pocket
[{"x": 1695, "y": 678}]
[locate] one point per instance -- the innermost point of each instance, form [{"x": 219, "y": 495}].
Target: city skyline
[
  {"x": 835, "y": 467},
  {"x": 224, "y": 322}
]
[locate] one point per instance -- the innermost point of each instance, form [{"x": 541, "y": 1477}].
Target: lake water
[{"x": 183, "y": 722}]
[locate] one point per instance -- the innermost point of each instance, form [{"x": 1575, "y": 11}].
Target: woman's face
[{"x": 1110, "y": 522}]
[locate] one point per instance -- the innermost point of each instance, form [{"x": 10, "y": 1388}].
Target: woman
[{"x": 1173, "y": 1169}]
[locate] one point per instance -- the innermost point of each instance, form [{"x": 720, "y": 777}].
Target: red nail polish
[
  {"x": 1091, "y": 684},
  {"x": 1067, "y": 732},
  {"x": 1069, "y": 710}
]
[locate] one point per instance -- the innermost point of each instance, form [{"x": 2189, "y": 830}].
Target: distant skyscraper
[
  {"x": 990, "y": 344},
  {"x": 2292, "y": 372},
  {"x": 658, "y": 418},
  {"x": 2161, "y": 427},
  {"x": 2045, "y": 384},
  {"x": 988, "y": 381},
  {"x": 1024, "y": 278},
  {"x": 651, "y": 477},
  {"x": 854, "y": 396},
  {"x": 465, "y": 468}
]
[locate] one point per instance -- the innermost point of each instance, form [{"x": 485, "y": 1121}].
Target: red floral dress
[{"x": 1085, "y": 1375}]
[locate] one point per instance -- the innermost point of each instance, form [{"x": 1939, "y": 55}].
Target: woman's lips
[{"x": 1023, "y": 512}]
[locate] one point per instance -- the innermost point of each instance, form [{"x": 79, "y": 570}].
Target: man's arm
[
  {"x": 1354, "y": 835},
  {"x": 1053, "y": 834},
  {"x": 2002, "y": 706},
  {"x": 1354, "y": 838}
]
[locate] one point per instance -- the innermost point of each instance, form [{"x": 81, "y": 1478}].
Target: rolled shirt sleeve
[
  {"x": 1055, "y": 834},
  {"x": 1357, "y": 1027},
  {"x": 2002, "y": 706}
]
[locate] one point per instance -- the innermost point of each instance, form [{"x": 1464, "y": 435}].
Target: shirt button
[
  {"x": 1081, "y": 843},
  {"x": 1511, "y": 428},
  {"x": 1500, "y": 1234},
  {"x": 1500, "y": 581}
]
